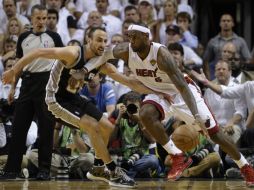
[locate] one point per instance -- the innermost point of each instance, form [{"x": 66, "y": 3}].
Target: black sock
[
  {"x": 111, "y": 165},
  {"x": 98, "y": 162}
]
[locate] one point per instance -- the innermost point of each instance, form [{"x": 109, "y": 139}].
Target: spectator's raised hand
[{"x": 199, "y": 77}]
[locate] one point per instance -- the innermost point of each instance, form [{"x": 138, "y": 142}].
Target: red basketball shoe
[
  {"x": 248, "y": 174},
  {"x": 179, "y": 164}
]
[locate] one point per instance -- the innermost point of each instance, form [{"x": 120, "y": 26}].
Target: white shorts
[{"x": 180, "y": 110}]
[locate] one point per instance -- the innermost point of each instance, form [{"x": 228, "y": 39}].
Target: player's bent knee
[
  {"x": 148, "y": 113},
  {"x": 105, "y": 124},
  {"x": 88, "y": 124}
]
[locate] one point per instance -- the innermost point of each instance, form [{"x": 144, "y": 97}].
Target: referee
[{"x": 31, "y": 101}]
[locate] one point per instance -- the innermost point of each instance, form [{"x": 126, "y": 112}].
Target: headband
[{"x": 141, "y": 29}]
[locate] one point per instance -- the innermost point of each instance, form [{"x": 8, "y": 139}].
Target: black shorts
[{"x": 79, "y": 106}]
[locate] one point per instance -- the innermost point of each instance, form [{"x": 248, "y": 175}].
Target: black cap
[{"x": 173, "y": 28}]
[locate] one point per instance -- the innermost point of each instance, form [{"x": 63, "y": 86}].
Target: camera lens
[{"x": 132, "y": 109}]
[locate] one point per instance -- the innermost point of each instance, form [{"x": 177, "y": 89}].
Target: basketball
[{"x": 185, "y": 137}]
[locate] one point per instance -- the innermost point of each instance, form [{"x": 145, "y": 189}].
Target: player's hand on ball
[{"x": 8, "y": 77}]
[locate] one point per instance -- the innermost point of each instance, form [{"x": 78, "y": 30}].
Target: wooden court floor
[{"x": 142, "y": 185}]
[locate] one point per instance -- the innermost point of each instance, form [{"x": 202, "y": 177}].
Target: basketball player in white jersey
[{"x": 154, "y": 66}]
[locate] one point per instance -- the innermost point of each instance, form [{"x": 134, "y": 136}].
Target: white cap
[{"x": 185, "y": 8}]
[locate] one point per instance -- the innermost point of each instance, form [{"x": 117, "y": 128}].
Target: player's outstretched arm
[
  {"x": 68, "y": 55},
  {"x": 166, "y": 63},
  {"x": 119, "y": 51},
  {"x": 131, "y": 82}
]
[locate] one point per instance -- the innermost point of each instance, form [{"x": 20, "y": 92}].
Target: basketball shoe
[
  {"x": 179, "y": 164},
  {"x": 119, "y": 178},
  {"x": 248, "y": 174},
  {"x": 98, "y": 173}
]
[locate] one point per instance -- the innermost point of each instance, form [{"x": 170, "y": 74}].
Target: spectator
[
  {"x": 131, "y": 12},
  {"x": 125, "y": 26},
  {"x": 64, "y": 29},
  {"x": 24, "y": 7},
  {"x": 169, "y": 11},
  {"x": 118, "y": 63},
  {"x": 9, "y": 45},
  {"x": 14, "y": 28},
  {"x": 135, "y": 140},
  {"x": 71, "y": 147},
  {"x": 203, "y": 156},
  {"x": 91, "y": 19},
  {"x": 101, "y": 94},
  {"x": 228, "y": 51},
  {"x": 244, "y": 91},
  {"x": 52, "y": 20},
  {"x": 228, "y": 113},
  {"x": 191, "y": 59},
  {"x": 11, "y": 11},
  {"x": 214, "y": 46},
  {"x": 112, "y": 23},
  {"x": 183, "y": 20},
  {"x": 88, "y": 6},
  {"x": 147, "y": 14}
]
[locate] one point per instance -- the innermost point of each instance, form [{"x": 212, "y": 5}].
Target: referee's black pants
[{"x": 31, "y": 104}]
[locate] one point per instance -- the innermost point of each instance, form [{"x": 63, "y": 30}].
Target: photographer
[
  {"x": 206, "y": 161},
  {"x": 135, "y": 140},
  {"x": 72, "y": 154}
]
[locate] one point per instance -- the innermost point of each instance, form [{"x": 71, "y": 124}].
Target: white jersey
[{"x": 148, "y": 72}]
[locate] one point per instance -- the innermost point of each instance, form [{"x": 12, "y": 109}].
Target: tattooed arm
[{"x": 167, "y": 64}]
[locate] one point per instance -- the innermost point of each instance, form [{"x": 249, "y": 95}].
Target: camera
[
  {"x": 132, "y": 108},
  {"x": 199, "y": 156},
  {"x": 127, "y": 164},
  {"x": 63, "y": 151},
  {"x": 133, "y": 158}
]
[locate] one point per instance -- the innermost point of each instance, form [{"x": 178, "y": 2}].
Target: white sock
[
  {"x": 171, "y": 148},
  {"x": 240, "y": 163}
]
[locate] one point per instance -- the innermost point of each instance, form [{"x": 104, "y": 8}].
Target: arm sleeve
[
  {"x": 57, "y": 39},
  {"x": 233, "y": 92},
  {"x": 245, "y": 50},
  {"x": 189, "y": 54},
  {"x": 110, "y": 96},
  {"x": 191, "y": 40},
  {"x": 240, "y": 107},
  {"x": 19, "y": 49}
]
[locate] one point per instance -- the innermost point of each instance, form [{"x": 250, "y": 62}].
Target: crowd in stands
[{"x": 226, "y": 61}]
